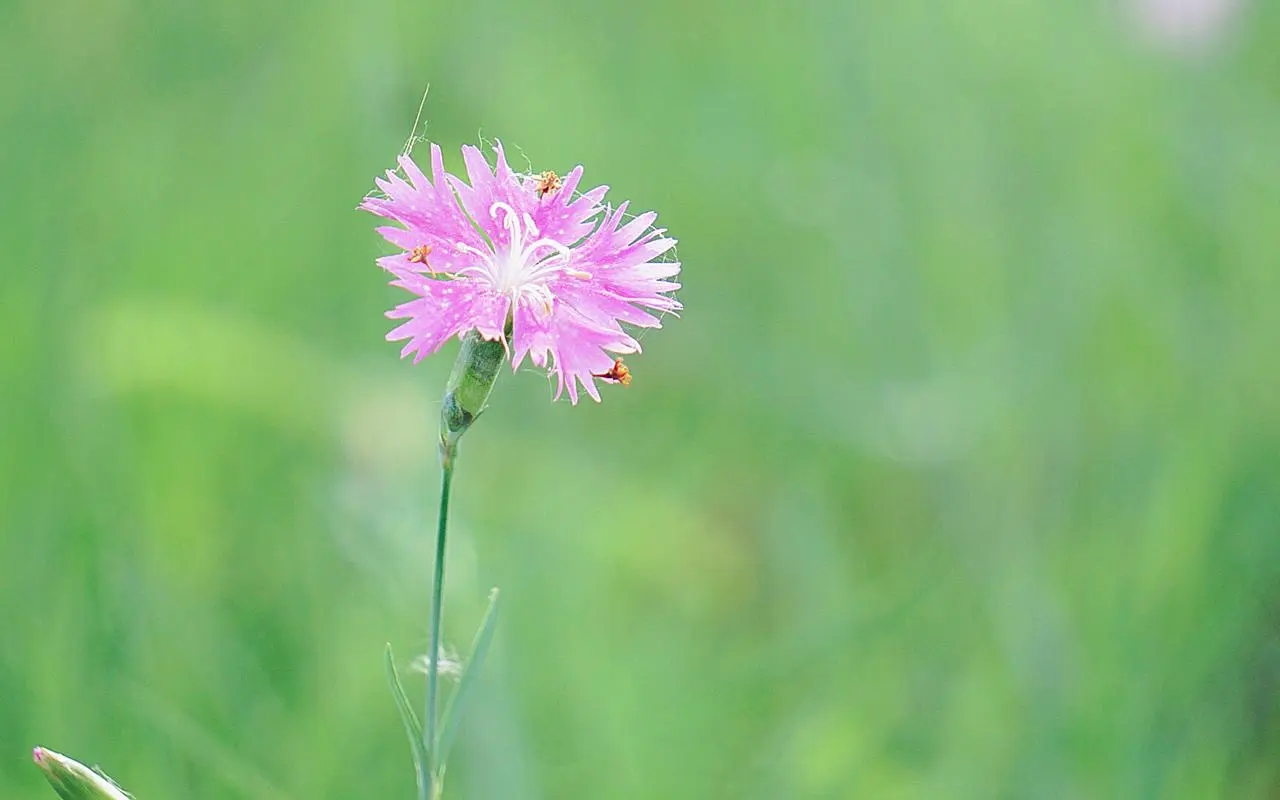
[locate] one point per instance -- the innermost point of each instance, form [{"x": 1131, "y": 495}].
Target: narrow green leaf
[
  {"x": 411, "y": 725},
  {"x": 466, "y": 682}
]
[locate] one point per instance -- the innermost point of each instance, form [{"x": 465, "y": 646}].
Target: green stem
[
  {"x": 464, "y": 399},
  {"x": 447, "y": 454}
]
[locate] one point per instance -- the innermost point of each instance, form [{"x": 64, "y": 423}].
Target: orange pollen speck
[
  {"x": 618, "y": 373},
  {"x": 548, "y": 182},
  {"x": 419, "y": 255}
]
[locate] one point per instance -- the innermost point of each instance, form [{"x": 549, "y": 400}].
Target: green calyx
[{"x": 469, "y": 386}]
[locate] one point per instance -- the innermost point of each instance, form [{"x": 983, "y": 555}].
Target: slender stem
[{"x": 447, "y": 453}]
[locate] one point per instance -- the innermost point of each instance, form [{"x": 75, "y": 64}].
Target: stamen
[
  {"x": 511, "y": 221},
  {"x": 419, "y": 256},
  {"x": 540, "y": 294},
  {"x": 518, "y": 270},
  {"x": 463, "y": 247},
  {"x": 618, "y": 373},
  {"x": 552, "y": 243},
  {"x": 485, "y": 269},
  {"x": 548, "y": 182}
]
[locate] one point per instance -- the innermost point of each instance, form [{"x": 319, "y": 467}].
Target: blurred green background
[{"x": 959, "y": 477}]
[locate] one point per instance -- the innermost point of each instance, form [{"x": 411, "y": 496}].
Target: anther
[
  {"x": 419, "y": 256},
  {"x": 618, "y": 373},
  {"x": 548, "y": 182}
]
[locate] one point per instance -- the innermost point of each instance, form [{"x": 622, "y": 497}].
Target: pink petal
[
  {"x": 567, "y": 343},
  {"x": 446, "y": 308},
  {"x": 427, "y": 211},
  {"x": 561, "y": 216},
  {"x": 602, "y": 306},
  {"x": 621, "y": 261},
  {"x": 491, "y": 185}
]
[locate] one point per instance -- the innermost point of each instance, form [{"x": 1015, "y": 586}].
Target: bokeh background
[{"x": 959, "y": 476}]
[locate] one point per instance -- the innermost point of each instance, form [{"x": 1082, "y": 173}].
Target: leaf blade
[
  {"x": 412, "y": 727},
  {"x": 466, "y": 681}
]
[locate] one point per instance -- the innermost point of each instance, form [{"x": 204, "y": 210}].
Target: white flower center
[{"x": 520, "y": 270}]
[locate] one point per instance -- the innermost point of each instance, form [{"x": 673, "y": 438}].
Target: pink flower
[{"x": 563, "y": 270}]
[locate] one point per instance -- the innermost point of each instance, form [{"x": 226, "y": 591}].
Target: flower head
[{"x": 559, "y": 271}]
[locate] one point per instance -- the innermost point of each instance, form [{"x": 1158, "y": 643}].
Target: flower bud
[{"x": 73, "y": 780}]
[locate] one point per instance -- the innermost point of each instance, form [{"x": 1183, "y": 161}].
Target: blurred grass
[{"x": 958, "y": 478}]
